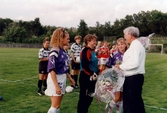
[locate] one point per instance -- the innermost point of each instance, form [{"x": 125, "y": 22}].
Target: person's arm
[
  {"x": 43, "y": 59},
  {"x": 86, "y": 56},
  {"x": 72, "y": 56},
  {"x": 70, "y": 79},
  {"x": 54, "y": 79}
]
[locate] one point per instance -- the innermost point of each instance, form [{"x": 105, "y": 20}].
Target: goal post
[{"x": 162, "y": 48}]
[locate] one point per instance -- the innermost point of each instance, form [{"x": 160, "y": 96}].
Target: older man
[{"x": 133, "y": 66}]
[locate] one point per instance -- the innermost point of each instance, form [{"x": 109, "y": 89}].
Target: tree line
[{"x": 19, "y": 31}]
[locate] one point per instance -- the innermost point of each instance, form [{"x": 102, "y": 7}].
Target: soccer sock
[
  {"x": 53, "y": 110},
  {"x": 44, "y": 84},
  {"x": 39, "y": 85},
  {"x": 119, "y": 105},
  {"x": 111, "y": 106},
  {"x": 58, "y": 110},
  {"x": 112, "y": 103},
  {"x": 76, "y": 79},
  {"x": 72, "y": 76}
]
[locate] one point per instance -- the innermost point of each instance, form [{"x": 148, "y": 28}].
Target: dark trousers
[
  {"x": 84, "y": 100},
  {"x": 132, "y": 94}
]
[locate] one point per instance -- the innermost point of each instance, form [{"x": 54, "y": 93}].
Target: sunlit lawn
[{"x": 19, "y": 76}]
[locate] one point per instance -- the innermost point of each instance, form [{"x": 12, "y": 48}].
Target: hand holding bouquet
[{"x": 108, "y": 82}]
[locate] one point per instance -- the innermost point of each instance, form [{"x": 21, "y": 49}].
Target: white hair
[{"x": 134, "y": 31}]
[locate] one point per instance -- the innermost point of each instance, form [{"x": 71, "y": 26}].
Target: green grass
[{"x": 19, "y": 76}]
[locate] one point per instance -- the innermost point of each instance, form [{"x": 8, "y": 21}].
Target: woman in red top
[{"x": 103, "y": 56}]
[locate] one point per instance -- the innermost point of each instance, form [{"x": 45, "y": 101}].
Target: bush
[
  {"x": 2, "y": 39},
  {"x": 165, "y": 50}
]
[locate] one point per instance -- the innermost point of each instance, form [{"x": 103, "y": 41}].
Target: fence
[{"x": 21, "y": 45}]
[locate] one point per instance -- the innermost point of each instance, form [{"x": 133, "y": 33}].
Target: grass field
[{"x": 19, "y": 76}]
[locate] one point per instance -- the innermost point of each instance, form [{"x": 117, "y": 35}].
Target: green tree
[
  {"x": 37, "y": 28},
  {"x": 107, "y": 28},
  {"x": 82, "y": 28},
  {"x": 72, "y": 33},
  {"x": 15, "y": 34},
  {"x": 159, "y": 22},
  {"x": 3, "y": 24},
  {"x": 147, "y": 22},
  {"x": 99, "y": 31},
  {"x": 117, "y": 28}
]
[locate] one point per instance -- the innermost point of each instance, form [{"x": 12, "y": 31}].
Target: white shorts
[
  {"x": 120, "y": 83},
  {"x": 51, "y": 89},
  {"x": 103, "y": 61}
]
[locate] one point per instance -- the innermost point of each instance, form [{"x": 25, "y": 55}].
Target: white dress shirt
[{"x": 134, "y": 59}]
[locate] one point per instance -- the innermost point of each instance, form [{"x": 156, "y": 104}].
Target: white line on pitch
[
  {"x": 19, "y": 81},
  {"x": 16, "y": 81},
  {"x": 155, "y": 107}
]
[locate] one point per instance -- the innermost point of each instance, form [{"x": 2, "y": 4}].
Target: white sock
[
  {"x": 119, "y": 105},
  {"x": 111, "y": 107},
  {"x": 112, "y": 103},
  {"x": 53, "y": 110},
  {"x": 58, "y": 110}
]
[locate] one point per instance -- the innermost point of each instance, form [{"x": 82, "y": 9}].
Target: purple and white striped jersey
[{"x": 58, "y": 61}]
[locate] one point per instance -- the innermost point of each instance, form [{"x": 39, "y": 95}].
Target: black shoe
[
  {"x": 73, "y": 86},
  {"x": 91, "y": 94},
  {"x": 76, "y": 86},
  {"x": 44, "y": 89},
  {"x": 40, "y": 93}
]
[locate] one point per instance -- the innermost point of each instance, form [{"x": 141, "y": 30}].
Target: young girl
[
  {"x": 103, "y": 55},
  {"x": 116, "y": 58},
  {"x": 43, "y": 63},
  {"x": 57, "y": 68},
  {"x": 66, "y": 47},
  {"x": 75, "y": 53}
]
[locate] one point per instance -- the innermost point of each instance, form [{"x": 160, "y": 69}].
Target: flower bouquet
[
  {"x": 108, "y": 82},
  {"x": 145, "y": 41}
]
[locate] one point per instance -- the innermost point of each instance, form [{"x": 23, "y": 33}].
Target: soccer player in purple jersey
[
  {"x": 116, "y": 58},
  {"x": 57, "y": 69}
]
